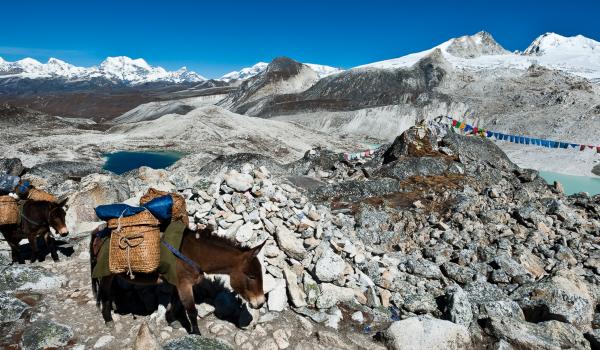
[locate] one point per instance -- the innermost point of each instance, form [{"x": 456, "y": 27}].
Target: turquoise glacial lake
[
  {"x": 574, "y": 184},
  {"x": 124, "y": 161}
]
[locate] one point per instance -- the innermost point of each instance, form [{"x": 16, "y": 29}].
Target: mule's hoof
[{"x": 110, "y": 324}]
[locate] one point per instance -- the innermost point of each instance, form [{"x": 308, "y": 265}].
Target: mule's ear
[
  {"x": 254, "y": 251},
  {"x": 63, "y": 202}
]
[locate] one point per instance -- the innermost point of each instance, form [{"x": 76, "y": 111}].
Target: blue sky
[{"x": 216, "y": 37}]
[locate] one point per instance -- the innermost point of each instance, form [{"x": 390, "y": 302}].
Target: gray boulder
[
  {"x": 458, "y": 306},
  {"x": 46, "y": 334},
  {"x": 11, "y": 308},
  {"x": 564, "y": 297},
  {"x": 549, "y": 335},
  {"x": 11, "y": 166},
  {"x": 52, "y": 173}
]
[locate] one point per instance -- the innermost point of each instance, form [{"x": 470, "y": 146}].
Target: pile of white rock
[{"x": 309, "y": 255}]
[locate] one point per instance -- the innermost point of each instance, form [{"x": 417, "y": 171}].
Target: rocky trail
[{"x": 438, "y": 241}]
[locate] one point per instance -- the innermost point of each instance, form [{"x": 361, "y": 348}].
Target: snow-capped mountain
[
  {"x": 248, "y": 72},
  {"x": 115, "y": 69},
  {"x": 245, "y": 73},
  {"x": 576, "y": 55}
]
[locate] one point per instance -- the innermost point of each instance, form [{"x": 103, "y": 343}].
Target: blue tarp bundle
[
  {"x": 161, "y": 207},
  {"x": 113, "y": 211},
  {"x": 8, "y": 183}
]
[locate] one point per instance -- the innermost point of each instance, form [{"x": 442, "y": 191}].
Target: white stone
[
  {"x": 426, "y": 333},
  {"x": 296, "y": 294},
  {"x": 205, "y": 309},
  {"x": 277, "y": 298},
  {"x": 332, "y": 294},
  {"x": 358, "y": 317},
  {"x": 330, "y": 266},
  {"x": 239, "y": 182},
  {"x": 290, "y": 245},
  {"x": 103, "y": 341},
  {"x": 244, "y": 233}
]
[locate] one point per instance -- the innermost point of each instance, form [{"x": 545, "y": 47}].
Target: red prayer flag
[
  {"x": 598, "y": 149},
  {"x": 454, "y": 122},
  {"x": 475, "y": 130},
  {"x": 582, "y": 147}
]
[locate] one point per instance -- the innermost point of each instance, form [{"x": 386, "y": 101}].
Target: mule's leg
[
  {"x": 51, "y": 244},
  {"x": 172, "y": 308},
  {"x": 35, "y": 254},
  {"x": 186, "y": 295},
  {"x": 106, "y": 298},
  {"x": 15, "y": 253}
]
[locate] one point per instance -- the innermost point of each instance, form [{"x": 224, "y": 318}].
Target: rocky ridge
[{"x": 438, "y": 233}]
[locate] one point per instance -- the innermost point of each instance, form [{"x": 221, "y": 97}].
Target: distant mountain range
[
  {"x": 114, "y": 69},
  {"x": 576, "y": 55},
  {"x": 469, "y": 75}
]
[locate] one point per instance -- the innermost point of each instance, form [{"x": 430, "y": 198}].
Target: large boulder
[
  {"x": 11, "y": 166},
  {"x": 564, "y": 297},
  {"x": 417, "y": 141},
  {"x": 477, "y": 150},
  {"x": 550, "y": 335},
  {"x": 46, "y": 334},
  {"x": 426, "y": 333},
  {"x": 34, "y": 278},
  {"x": 11, "y": 308},
  {"x": 50, "y": 174},
  {"x": 419, "y": 166},
  {"x": 94, "y": 190},
  {"x": 223, "y": 163}
]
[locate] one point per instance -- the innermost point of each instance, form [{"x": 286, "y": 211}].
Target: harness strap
[{"x": 185, "y": 259}]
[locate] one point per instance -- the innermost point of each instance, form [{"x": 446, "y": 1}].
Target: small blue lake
[
  {"x": 573, "y": 184},
  {"x": 123, "y": 161}
]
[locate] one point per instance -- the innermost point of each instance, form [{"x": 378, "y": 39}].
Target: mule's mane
[{"x": 208, "y": 235}]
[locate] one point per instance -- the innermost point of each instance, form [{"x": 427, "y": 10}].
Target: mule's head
[
  {"x": 246, "y": 279},
  {"x": 56, "y": 217}
]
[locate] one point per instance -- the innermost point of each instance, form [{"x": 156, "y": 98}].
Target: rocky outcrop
[
  {"x": 50, "y": 174},
  {"x": 11, "y": 166}
]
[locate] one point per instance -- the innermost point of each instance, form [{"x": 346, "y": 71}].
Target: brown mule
[
  {"x": 37, "y": 217},
  {"x": 214, "y": 255}
]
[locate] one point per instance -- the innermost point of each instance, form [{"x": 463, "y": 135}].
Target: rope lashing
[{"x": 127, "y": 243}]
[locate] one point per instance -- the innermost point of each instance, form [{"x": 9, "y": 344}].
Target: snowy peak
[
  {"x": 245, "y": 73},
  {"x": 471, "y": 46},
  {"x": 576, "y": 55},
  {"x": 554, "y": 43},
  {"x": 119, "y": 69},
  {"x": 249, "y": 72},
  {"x": 323, "y": 71}
]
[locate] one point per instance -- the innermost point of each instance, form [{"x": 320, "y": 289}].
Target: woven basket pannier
[
  {"x": 9, "y": 210},
  {"x": 179, "y": 209},
  {"x": 39, "y": 195},
  {"x": 134, "y": 244}
]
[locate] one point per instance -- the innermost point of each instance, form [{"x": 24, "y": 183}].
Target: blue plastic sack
[
  {"x": 161, "y": 207},
  {"x": 113, "y": 211},
  {"x": 8, "y": 183}
]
